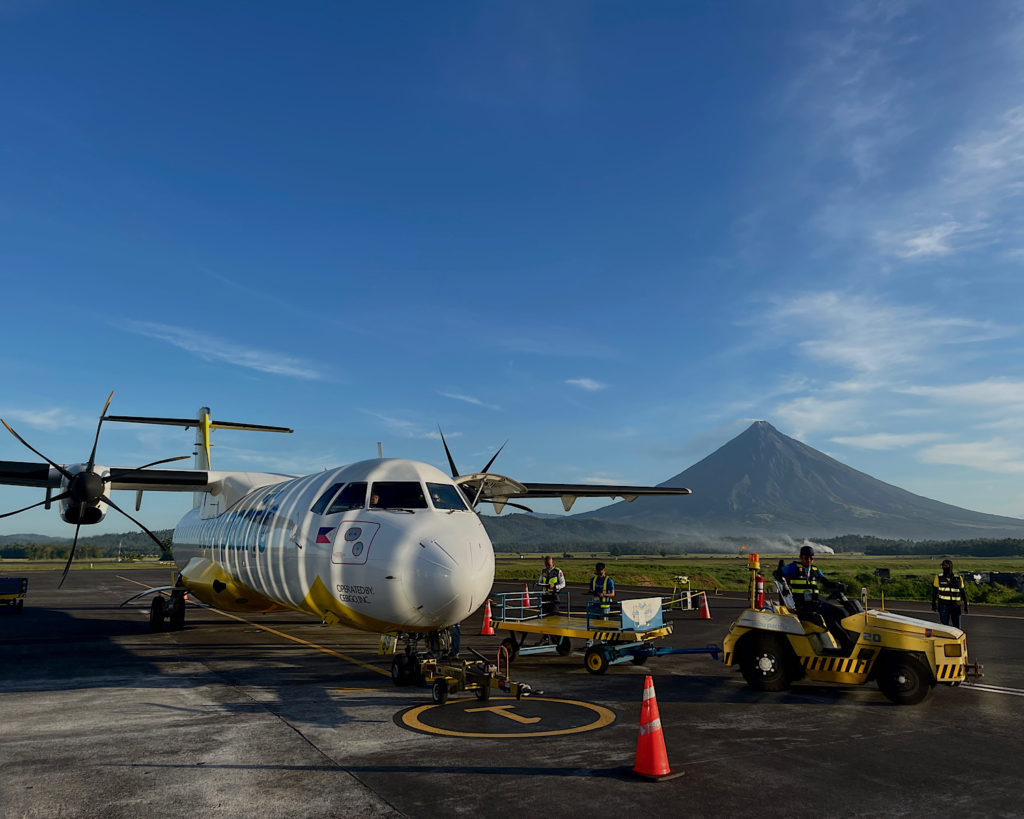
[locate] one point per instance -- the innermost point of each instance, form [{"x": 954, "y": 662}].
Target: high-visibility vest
[
  {"x": 549, "y": 578},
  {"x": 804, "y": 584},
  {"x": 606, "y": 604},
  {"x": 949, "y": 587}
]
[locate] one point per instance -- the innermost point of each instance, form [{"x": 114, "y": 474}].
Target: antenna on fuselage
[{"x": 380, "y": 450}]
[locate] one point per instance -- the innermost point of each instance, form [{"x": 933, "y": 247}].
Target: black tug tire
[
  {"x": 510, "y": 645},
  {"x": 764, "y": 663},
  {"x": 156, "y": 614},
  {"x": 596, "y": 660},
  {"x": 564, "y": 647},
  {"x": 484, "y": 693},
  {"x": 439, "y": 691},
  {"x": 904, "y": 680}
]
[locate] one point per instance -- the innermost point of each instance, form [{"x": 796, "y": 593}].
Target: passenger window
[
  {"x": 445, "y": 496},
  {"x": 397, "y": 495},
  {"x": 352, "y": 496},
  {"x": 324, "y": 499}
]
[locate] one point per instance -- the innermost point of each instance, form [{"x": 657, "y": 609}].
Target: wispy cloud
[
  {"x": 49, "y": 420},
  {"x": 996, "y": 455},
  {"x": 885, "y": 441},
  {"x": 469, "y": 399},
  {"x": 1005, "y": 392},
  {"x": 870, "y": 336},
  {"x": 212, "y": 348},
  {"x": 586, "y": 384}
]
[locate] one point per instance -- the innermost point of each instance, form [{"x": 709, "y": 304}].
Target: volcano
[{"x": 764, "y": 482}]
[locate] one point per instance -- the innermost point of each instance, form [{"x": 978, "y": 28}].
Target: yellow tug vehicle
[{"x": 907, "y": 657}]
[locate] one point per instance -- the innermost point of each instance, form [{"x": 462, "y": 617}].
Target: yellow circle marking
[{"x": 604, "y": 717}]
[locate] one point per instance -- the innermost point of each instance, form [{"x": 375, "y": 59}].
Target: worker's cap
[{"x": 806, "y": 551}]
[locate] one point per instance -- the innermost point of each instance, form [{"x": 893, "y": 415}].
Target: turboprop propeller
[
  {"x": 85, "y": 488},
  {"x": 481, "y": 480}
]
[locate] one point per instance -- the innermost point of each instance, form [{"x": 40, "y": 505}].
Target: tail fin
[{"x": 204, "y": 426}]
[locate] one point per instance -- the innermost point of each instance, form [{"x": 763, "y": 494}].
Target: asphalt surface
[{"x": 280, "y": 716}]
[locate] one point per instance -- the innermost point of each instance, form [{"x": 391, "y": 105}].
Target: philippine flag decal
[{"x": 324, "y": 535}]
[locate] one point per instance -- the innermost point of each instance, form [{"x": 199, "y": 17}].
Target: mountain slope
[{"x": 764, "y": 482}]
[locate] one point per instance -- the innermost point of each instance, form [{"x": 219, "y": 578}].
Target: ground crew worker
[
  {"x": 552, "y": 581},
  {"x": 602, "y": 589},
  {"x": 948, "y": 592},
  {"x": 805, "y": 580}
]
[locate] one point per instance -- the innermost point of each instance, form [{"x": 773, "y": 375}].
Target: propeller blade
[
  {"x": 156, "y": 540},
  {"x": 58, "y": 467},
  {"x": 67, "y": 567},
  {"x": 113, "y": 476},
  {"x": 96, "y": 440},
  {"x": 451, "y": 460},
  {"x": 495, "y": 455},
  {"x": 34, "y": 505}
]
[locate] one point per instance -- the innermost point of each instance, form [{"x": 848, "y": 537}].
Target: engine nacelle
[{"x": 87, "y": 494}]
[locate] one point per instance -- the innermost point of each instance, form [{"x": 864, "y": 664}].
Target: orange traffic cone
[
  {"x": 705, "y": 611},
  {"x": 526, "y": 595},
  {"x": 651, "y": 758},
  {"x": 487, "y": 629}
]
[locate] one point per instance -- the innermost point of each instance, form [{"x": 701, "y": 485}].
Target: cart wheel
[
  {"x": 564, "y": 647},
  {"x": 483, "y": 693},
  {"x": 439, "y": 691},
  {"x": 156, "y": 614},
  {"x": 639, "y": 659},
  {"x": 510, "y": 645},
  {"x": 596, "y": 660}
]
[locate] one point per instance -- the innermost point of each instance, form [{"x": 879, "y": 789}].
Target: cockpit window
[
  {"x": 445, "y": 496},
  {"x": 397, "y": 495},
  {"x": 352, "y": 496},
  {"x": 324, "y": 499}
]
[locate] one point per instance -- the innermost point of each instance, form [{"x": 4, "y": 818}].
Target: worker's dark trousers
[{"x": 949, "y": 614}]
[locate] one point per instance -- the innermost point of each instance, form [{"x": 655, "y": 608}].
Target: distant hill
[
  {"x": 763, "y": 482},
  {"x": 511, "y": 532},
  {"x": 130, "y": 540}
]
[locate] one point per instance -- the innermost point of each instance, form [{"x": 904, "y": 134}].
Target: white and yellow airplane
[{"x": 386, "y": 545}]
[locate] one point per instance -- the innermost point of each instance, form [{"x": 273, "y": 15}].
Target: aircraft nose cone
[{"x": 450, "y": 580}]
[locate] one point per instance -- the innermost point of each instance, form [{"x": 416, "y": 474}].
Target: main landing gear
[
  {"x": 440, "y": 645},
  {"x": 171, "y": 609}
]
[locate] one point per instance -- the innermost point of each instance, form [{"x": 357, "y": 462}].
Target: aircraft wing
[
  {"x": 499, "y": 489},
  {"x": 20, "y": 473}
]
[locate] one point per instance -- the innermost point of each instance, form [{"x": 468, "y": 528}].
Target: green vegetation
[{"x": 910, "y": 576}]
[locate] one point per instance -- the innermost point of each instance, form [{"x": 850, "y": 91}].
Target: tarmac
[{"x": 279, "y": 716}]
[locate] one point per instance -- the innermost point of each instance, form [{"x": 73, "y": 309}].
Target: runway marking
[
  {"x": 274, "y": 631},
  {"x": 995, "y": 689},
  {"x": 505, "y": 711},
  {"x": 420, "y": 718}
]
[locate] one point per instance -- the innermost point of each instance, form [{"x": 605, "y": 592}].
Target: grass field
[{"x": 910, "y": 577}]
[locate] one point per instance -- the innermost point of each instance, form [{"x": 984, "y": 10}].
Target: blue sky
[{"x": 611, "y": 233}]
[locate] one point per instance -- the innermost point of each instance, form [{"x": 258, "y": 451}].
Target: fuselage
[{"x": 382, "y": 545}]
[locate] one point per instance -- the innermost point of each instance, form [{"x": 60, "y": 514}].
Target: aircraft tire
[
  {"x": 156, "y": 614},
  {"x": 176, "y": 615}
]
